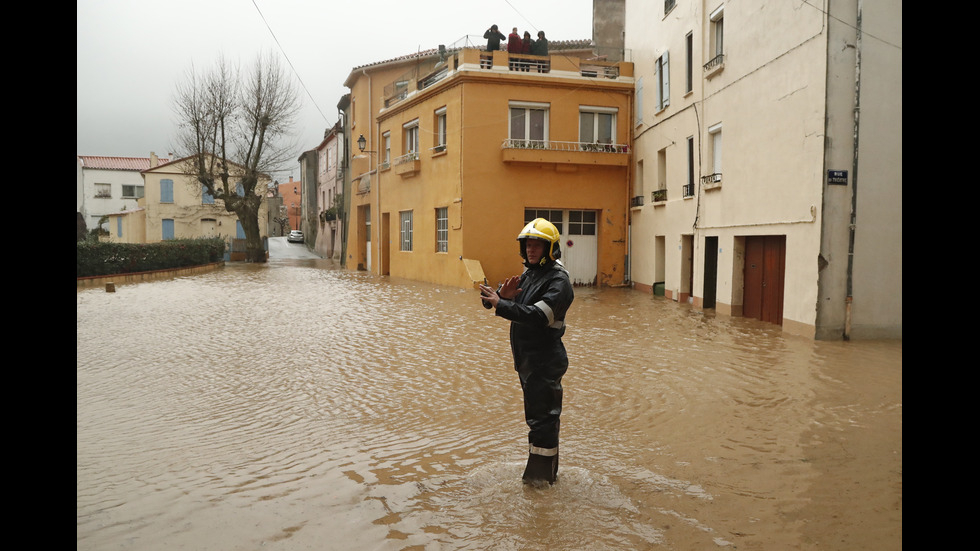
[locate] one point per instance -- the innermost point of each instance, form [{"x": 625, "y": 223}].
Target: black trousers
[{"x": 542, "y": 405}]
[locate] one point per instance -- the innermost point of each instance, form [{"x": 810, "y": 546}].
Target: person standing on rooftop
[{"x": 493, "y": 37}]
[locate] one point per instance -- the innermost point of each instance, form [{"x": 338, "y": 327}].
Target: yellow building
[
  {"x": 462, "y": 148},
  {"x": 175, "y": 206}
]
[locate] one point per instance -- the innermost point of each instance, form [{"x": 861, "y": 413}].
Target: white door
[{"x": 579, "y": 246}]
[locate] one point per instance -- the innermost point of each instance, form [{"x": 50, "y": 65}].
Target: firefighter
[{"x": 535, "y": 302}]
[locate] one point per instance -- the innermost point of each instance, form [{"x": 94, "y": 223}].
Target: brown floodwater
[{"x": 295, "y": 405}]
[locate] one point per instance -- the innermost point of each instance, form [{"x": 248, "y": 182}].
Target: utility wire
[{"x": 295, "y": 72}]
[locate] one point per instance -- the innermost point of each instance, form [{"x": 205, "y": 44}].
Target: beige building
[
  {"x": 326, "y": 208},
  {"x": 454, "y": 151},
  {"x": 767, "y": 168},
  {"x": 175, "y": 206}
]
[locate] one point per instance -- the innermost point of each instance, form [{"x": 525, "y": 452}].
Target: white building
[
  {"x": 109, "y": 184},
  {"x": 767, "y": 169}
]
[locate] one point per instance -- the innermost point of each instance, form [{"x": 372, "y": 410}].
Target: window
[
  {"x": 597, "y": 125},
  {"x": 715, "y": 134},
  {"x": 440, "y": 130},
  {"x": 240, "y": 189},
  {"x": 132, "y": 192},
  {"x": 581, "y": 222},
  {"x": 553, "y": 216},
  {"x": 638, "y": 183},
  {"x": 206, "y": 198},
  {"x": 168, "y": 228},
  {"x": 662, "y": 73},
  {"x": 689, "y": 62},
  {"x": 103, "y": 191},
  {"x": 167, "y": 192},
  {"x": 412, "y": 137},
  {"x": 442, "y": 229},
  {"x": 406, "y": 230},
  {"x": 119, "y": 226},
  {"x": 717, "y": 37},
  {"x": 662, "y": 169},
  {"x": 669, "y": 5},
  {"x": 528, "y": 122},
  {"x": 367, "y": 224},
  {"x": 689, "y": 187},
  {"x": 386, "y": 159},
  {"x": 638, "y": 101}
]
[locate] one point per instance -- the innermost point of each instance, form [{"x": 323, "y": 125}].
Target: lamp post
[{"x": 362, "y": 143}]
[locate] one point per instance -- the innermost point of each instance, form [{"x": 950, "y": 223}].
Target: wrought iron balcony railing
[
  {"x": 710, "y": 179},
  {"x": 658, "y": 196},
  {"x": 636, "y": 201},
  {"x": 688, "y": 190},
  {"x": 717, "y": 61}
]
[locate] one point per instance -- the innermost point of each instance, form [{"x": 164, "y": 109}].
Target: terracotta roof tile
[{"x": 118, "y": 163}]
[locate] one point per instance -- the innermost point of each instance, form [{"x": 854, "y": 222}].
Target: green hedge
[{"x": 98, "y": 259}]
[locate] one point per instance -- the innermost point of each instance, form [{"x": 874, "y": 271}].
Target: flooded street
[{"x": 296, "y": 405}]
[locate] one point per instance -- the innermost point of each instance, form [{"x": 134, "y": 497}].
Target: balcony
[
  {"x": 569, "y": 153},
  {"x": 434, "y": 69},
  {"x": 688, "y": 190},
  {"x": 711, "y": 181},
  {"x": 714, "y": 66},
  {"x": 636, "y": 201},
  {"x": 658, "y": 196},
  {"x": 407, "y": 165}
]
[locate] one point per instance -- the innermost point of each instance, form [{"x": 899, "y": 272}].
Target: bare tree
[{"x": 234, "y": 128}]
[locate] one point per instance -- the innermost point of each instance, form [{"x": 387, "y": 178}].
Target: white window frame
[
  {"x": 661, "y": 71},
  {"x": 442, "y": 229},
  {"x": 440, "y": 129},
  {"x": 527, "y": 107},
  {"x": 411, "y": 133},
  {"x": 136, "y": 191},
  {"x": 405, "y": 230},
  {"x": 386, "y": 140},
  {"x": 689, "y": 62},
  {"x": 596, "y": 111},
  {"x": 717, "y": 19},
  {"x": 638, "y": 101},
  {"x": 714, "y": 132}
]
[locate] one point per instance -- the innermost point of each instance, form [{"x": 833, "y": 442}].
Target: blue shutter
[
  {"x": 168, "y": 228},
  {"x": 166, "y": 191},
  {"x": 119, "y": 226},
  {"x": 206, "y": 198},
  {"x": 239, "y": 230}
]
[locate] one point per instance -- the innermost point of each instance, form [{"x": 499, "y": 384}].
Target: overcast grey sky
[{"x": 131, "y": 53}]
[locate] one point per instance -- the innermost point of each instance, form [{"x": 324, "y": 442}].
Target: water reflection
[{"x": 295, "y": 405}]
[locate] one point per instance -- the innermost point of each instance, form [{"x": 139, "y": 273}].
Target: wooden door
[{"x": 765, "y": 265}]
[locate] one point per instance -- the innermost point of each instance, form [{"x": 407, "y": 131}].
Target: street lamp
[{"x": 361, "y": 143}]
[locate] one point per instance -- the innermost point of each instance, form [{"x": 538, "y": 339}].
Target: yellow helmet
[{"x": 539, "y": 228}]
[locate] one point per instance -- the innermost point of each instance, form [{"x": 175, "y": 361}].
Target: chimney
[{"x": 153, "y": 160}]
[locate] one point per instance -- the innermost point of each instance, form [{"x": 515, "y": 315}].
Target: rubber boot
[{"x": 543, "y": 468}]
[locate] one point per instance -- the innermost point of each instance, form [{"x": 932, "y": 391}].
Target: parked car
[{"x": 295, "y": 236}]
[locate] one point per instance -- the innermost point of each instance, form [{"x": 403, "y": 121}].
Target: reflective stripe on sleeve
[{"x": 543, "y": 306}]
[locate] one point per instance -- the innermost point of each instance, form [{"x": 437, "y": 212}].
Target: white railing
[{"x": 552, "y": 145}]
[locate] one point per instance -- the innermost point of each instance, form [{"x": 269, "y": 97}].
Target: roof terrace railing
[{"x": 552, "y": 145}]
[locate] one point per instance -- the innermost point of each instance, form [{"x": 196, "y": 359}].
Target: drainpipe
[
  {"x": 370, "y": 140},
  {"x": 854, "y": 181}
]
